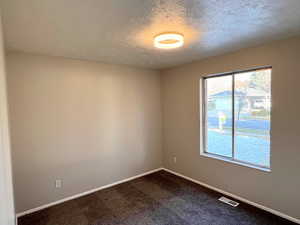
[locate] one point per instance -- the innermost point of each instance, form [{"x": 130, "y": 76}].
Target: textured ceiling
[{"x": 121, "y": 31}]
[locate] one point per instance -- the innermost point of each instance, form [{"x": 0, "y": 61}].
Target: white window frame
[{"x": 202, "y": 107}]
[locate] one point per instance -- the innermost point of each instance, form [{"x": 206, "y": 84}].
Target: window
[{"x": 236, "y": 117}]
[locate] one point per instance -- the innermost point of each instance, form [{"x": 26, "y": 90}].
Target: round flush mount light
[{"x": 168, "y": 40}]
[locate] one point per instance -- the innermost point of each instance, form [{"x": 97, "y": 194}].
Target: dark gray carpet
[{"x": 157, "y": 199}]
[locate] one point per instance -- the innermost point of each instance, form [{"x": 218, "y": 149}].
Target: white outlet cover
[{"x": 58, "y": 183}]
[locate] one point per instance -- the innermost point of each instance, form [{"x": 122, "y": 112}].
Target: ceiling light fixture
[{"x": 168, "y": 40}]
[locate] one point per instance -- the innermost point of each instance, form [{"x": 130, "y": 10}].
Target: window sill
[{"x": 235, "y": 162}]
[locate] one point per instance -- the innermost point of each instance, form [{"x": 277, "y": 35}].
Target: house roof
[
  {"x": 227, "y": 93},
  {"x": 253, "y": 92}
]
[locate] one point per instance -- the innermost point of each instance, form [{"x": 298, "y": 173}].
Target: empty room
[{"x": 150, "y": 112}]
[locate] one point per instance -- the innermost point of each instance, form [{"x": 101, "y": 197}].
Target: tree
[{"x": 261, "y": 80}]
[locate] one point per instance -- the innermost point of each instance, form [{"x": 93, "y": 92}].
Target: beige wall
[
  {"x": 91, "y": 124},
  {"x": 7, "y": 212},
  {"x": 86, "y": 123},
  {"x": 279, "y": 189}
]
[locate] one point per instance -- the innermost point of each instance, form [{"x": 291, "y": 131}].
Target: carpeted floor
[{"x": 157, "y": 199}]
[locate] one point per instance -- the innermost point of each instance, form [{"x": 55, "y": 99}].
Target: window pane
[
  {"x": 252, "y": 117},
  {"x": 219, "y": 115}
]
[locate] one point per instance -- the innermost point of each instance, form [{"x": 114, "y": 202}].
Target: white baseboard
[
  {"x": 84, "y": 193},
  {"x": 275, "y": 212}
]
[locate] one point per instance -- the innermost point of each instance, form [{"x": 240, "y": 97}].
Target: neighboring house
[
  {"x": 258, "y": 99},
  {"x": 248, "y": 101}
]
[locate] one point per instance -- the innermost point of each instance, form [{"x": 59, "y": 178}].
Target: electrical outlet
[
  {"x": 58, "y": 183},
  {"x": 175, "y": 159}
]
